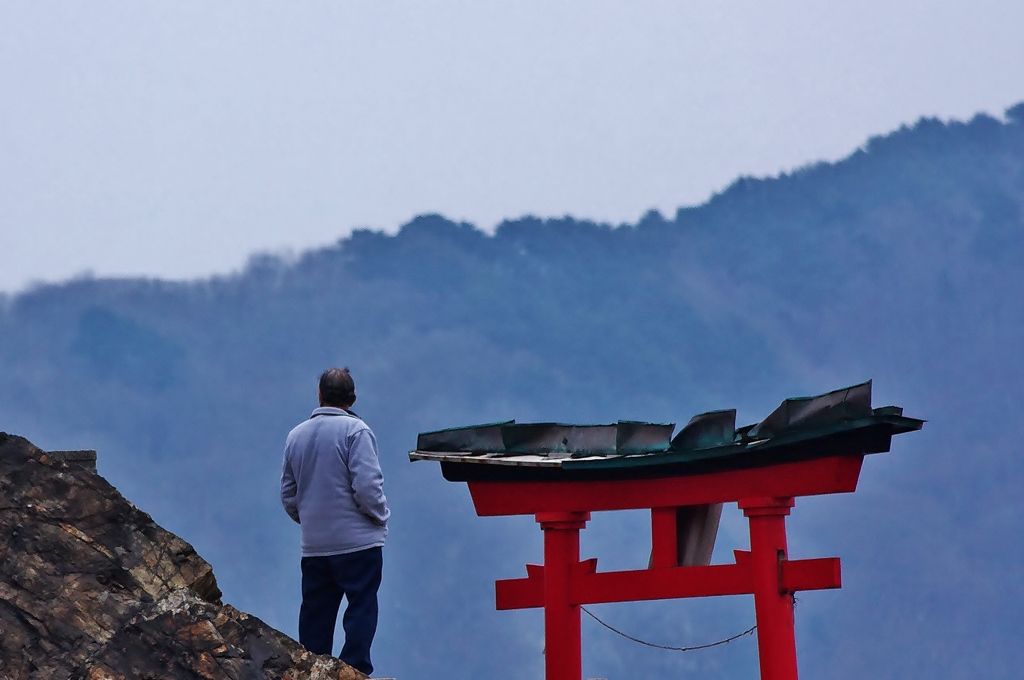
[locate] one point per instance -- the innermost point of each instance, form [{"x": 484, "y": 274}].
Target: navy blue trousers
[{"x": 325, "y": 580}]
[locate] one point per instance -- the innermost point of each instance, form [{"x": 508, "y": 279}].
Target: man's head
[{"x": 337, "y": 388}]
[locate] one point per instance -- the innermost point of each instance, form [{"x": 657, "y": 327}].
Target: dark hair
[{"x": 337, "y": 388}]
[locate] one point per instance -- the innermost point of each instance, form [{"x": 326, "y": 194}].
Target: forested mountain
[{"x": 901, "y": 263}]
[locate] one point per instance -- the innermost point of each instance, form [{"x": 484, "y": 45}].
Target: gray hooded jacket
[{"x": 331, "y": 484}]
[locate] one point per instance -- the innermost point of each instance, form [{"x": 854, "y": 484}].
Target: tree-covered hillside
[{"x": 903, "y": 262}]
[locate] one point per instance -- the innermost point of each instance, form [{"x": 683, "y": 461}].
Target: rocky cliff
[{"x": 92, "y": 589}]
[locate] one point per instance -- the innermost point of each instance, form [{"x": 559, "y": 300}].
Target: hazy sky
[{"x": 176, "y": 138}]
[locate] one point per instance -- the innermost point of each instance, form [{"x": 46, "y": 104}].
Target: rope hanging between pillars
[{"x": 748, "y": 631}]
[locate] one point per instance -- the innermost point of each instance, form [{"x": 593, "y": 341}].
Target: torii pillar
[{"x": 773, "y": 604}]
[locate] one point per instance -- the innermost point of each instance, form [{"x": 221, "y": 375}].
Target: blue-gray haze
[{"x": 901, "y": 263}]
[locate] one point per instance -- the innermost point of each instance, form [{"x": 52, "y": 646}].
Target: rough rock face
[{"x": 92, "y": 589}]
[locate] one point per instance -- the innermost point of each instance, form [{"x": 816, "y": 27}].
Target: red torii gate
[
  {"x": 563, "y": 582},
  {"x": 808, "y": 446}
]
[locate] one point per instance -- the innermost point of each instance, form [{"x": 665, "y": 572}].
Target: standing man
[{"x": 332, "y": 485}]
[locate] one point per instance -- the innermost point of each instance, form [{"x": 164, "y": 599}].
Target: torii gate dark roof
[{"x": 836, "y": 423}]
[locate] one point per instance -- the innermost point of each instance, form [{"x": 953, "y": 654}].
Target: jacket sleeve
[
  {"x": 366, "y": 477},
  {"x": 288, "y": 487}
]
